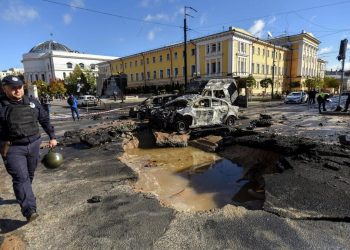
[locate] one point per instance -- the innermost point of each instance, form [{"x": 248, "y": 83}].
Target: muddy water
[{"x": 185, "y": 178}]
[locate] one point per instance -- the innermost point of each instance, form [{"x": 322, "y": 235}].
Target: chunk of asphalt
[{"x": 95, "y": 199}]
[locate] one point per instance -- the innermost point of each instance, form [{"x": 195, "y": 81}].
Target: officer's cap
[{"x": 11, "y": 81}]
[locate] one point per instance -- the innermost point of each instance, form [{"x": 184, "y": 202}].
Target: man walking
[
  {"x": 73, "y": 103},
  {"x": 20, "y": 140}
]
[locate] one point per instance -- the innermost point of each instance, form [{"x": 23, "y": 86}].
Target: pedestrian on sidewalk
[
  {"x": 73, "y": 103},
  {"x": 20, "y": 140},
  {"x": 45, "y": 102}
]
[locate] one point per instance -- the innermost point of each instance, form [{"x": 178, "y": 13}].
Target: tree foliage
[
  {"x": 85, "y": 78},
  {"x": 57, "y": 87},
  {"x": 250, "y": 81},
  {"x": 42, "y": 87},
  {"x": 310, "y": 83},
  {"x": 265, "y": 83},
  {"x": 331, "y": 82}
]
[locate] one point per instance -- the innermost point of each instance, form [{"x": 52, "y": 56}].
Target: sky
[{"x": 124, "y": 27}]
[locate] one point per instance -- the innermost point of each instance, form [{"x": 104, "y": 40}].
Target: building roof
[{"x": 49, "y": 46}]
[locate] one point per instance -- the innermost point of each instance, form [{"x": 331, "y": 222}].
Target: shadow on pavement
[{"x": 8, "y": 225}]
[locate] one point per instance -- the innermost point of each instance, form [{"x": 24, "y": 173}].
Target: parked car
[
  {"x": 86, "y": 100},
  {"x": 143, "y": 109},
  {"x": 193, "y": 111},
  {"x": 296, "y": 97}
]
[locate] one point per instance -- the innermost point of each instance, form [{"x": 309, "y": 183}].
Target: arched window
[
  {"x": 64, "y": 75},
  {"x": 81, "y": 65},
  {"x": 69, "y": 65},
  {"x": 92, "y": 66}
]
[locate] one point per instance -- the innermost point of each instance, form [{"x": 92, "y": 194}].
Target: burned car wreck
[
  {"x": 143, "y": 110},
  {"x": 193, "y": 111}
]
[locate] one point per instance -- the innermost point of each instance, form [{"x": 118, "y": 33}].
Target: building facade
[
  {"x": 51, "y": 60},
  {"x": 234, "y": 52},
  {"x": 11, "y": 71}
]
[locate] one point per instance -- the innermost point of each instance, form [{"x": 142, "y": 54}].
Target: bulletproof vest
[{"x": 20, "y": 120}]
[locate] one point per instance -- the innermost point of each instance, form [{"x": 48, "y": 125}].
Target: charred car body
[
  {"x": 144, "y": 109},
  {"x": 193, "y": 111}
]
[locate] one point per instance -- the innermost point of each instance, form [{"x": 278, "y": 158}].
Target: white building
[
  {"x": 11, "y": 71},
  {"x": 52, "y": 60}
]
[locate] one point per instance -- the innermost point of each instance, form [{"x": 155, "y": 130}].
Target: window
[
  {"x": 161, "y": 74},
  {"x": 175, "y": 55},
  {"x": 219, "y": 47},
  {"x": 267, "y": 69},
  {"x": 258, "y": 68},
  {"x": 263, "y": 52},
  {"x": 48, "y": 66},
  {"x": 148, "y": 75},
  {"x": 130, "y": 64},
  {"x": 279, "y": 55},
  {"x": 253, "y": 68},
  {"x": 258, "y": 51},
  {"x": 81, "y": 65},
  {"x": 36, "y": 77},
  {"x": 168, "y": 57},
  {"x": 31, "y": 78},
  {"x": 125, "y": 65},
  {"x": 69, "y": 65},
  {"x": 154, "y": 74},
  {"x": 121, "y": 66},
  {"x": 64, "y": 75},
  {"x": 142, "y": 76},
  {"x": 183, "y": 71},
  {"x": 176, "y": 72},
  {"x": 213, "y": 67},
  {"x": 272, "y": 70},
  {"x": 137, "y": 76},
  {"x": 253, "y": 50},
  {"x": 141, "y": 61},
  {"x": 168, "y": 72},
  {"x": 147, "y": 60},
  {"x": 154, "y": 59},
  {"x": 131, "y": 77},
  {"x": 193, "y": 69},
  {"x": 160, "y": 58},
  {"x": 208, "y": 69},
  {"x": 268, "y": 53},
  {"x": 218, "y": 67},
  {"x": 43, "y": 77},
  {"x": 213, "y": 48},
  {"x": 263, "y": 69},
  {"x": 219, "y": 94},
  {"x": 92, "y": 66},
  {"x": 135, "y": 63},
  {"x": 208, "y": 49},
  {"x": 193, "y": 52}
]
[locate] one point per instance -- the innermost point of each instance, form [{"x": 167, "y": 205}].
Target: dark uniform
[
  {"x": 20, "y": 144},
  {"x": 322, "y": 98}
]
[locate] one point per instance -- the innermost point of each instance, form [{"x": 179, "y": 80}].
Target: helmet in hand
[{"x": 52, "y": 160}]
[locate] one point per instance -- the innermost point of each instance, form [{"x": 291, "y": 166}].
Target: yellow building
[{"x": 234, "y": 52}]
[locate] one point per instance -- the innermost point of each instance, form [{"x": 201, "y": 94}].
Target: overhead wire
[{"x": 111, "y": 14}]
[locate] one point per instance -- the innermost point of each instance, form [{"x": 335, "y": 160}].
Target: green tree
[
  {"x": 250, "y": 81},
  {"x": 310, "y": 83},
  {"x": 89, "y": 82},
  {"x": 57, "y": 87},
  {"x": 265, "y": 83},
  {"x": 331, "y": 82},
  {"x": 42, "y": 87}
]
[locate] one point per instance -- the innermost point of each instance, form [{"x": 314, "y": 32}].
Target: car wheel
[
  {"x": 181, "y": 126},
  {"x": 230, "y": 121}
]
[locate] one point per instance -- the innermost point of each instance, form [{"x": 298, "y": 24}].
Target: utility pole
[
  {"x": 342, "y": 56},
  {"x": 185, "y": 40},
  {"x": 273, "y": 69}
]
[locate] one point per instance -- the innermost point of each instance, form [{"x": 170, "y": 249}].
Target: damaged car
[
  {"x": 194, "y": 111},
  {"x": 143, "y": 110}
]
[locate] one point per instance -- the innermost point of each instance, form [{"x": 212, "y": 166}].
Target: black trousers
[
  {"x": 21, "y": 162},
  {"x": 322, "y": 102}
]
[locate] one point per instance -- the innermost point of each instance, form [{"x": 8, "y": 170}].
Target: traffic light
[{"x": 342, "y": 49}]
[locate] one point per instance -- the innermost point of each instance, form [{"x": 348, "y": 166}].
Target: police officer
[
  {"x": 20, "y": 140},
  {"x": 322, "y": 98}
]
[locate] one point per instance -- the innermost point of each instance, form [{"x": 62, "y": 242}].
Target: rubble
[
  {"x": 171, "y": 140},
  {"x": 209, "y": 143}
]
